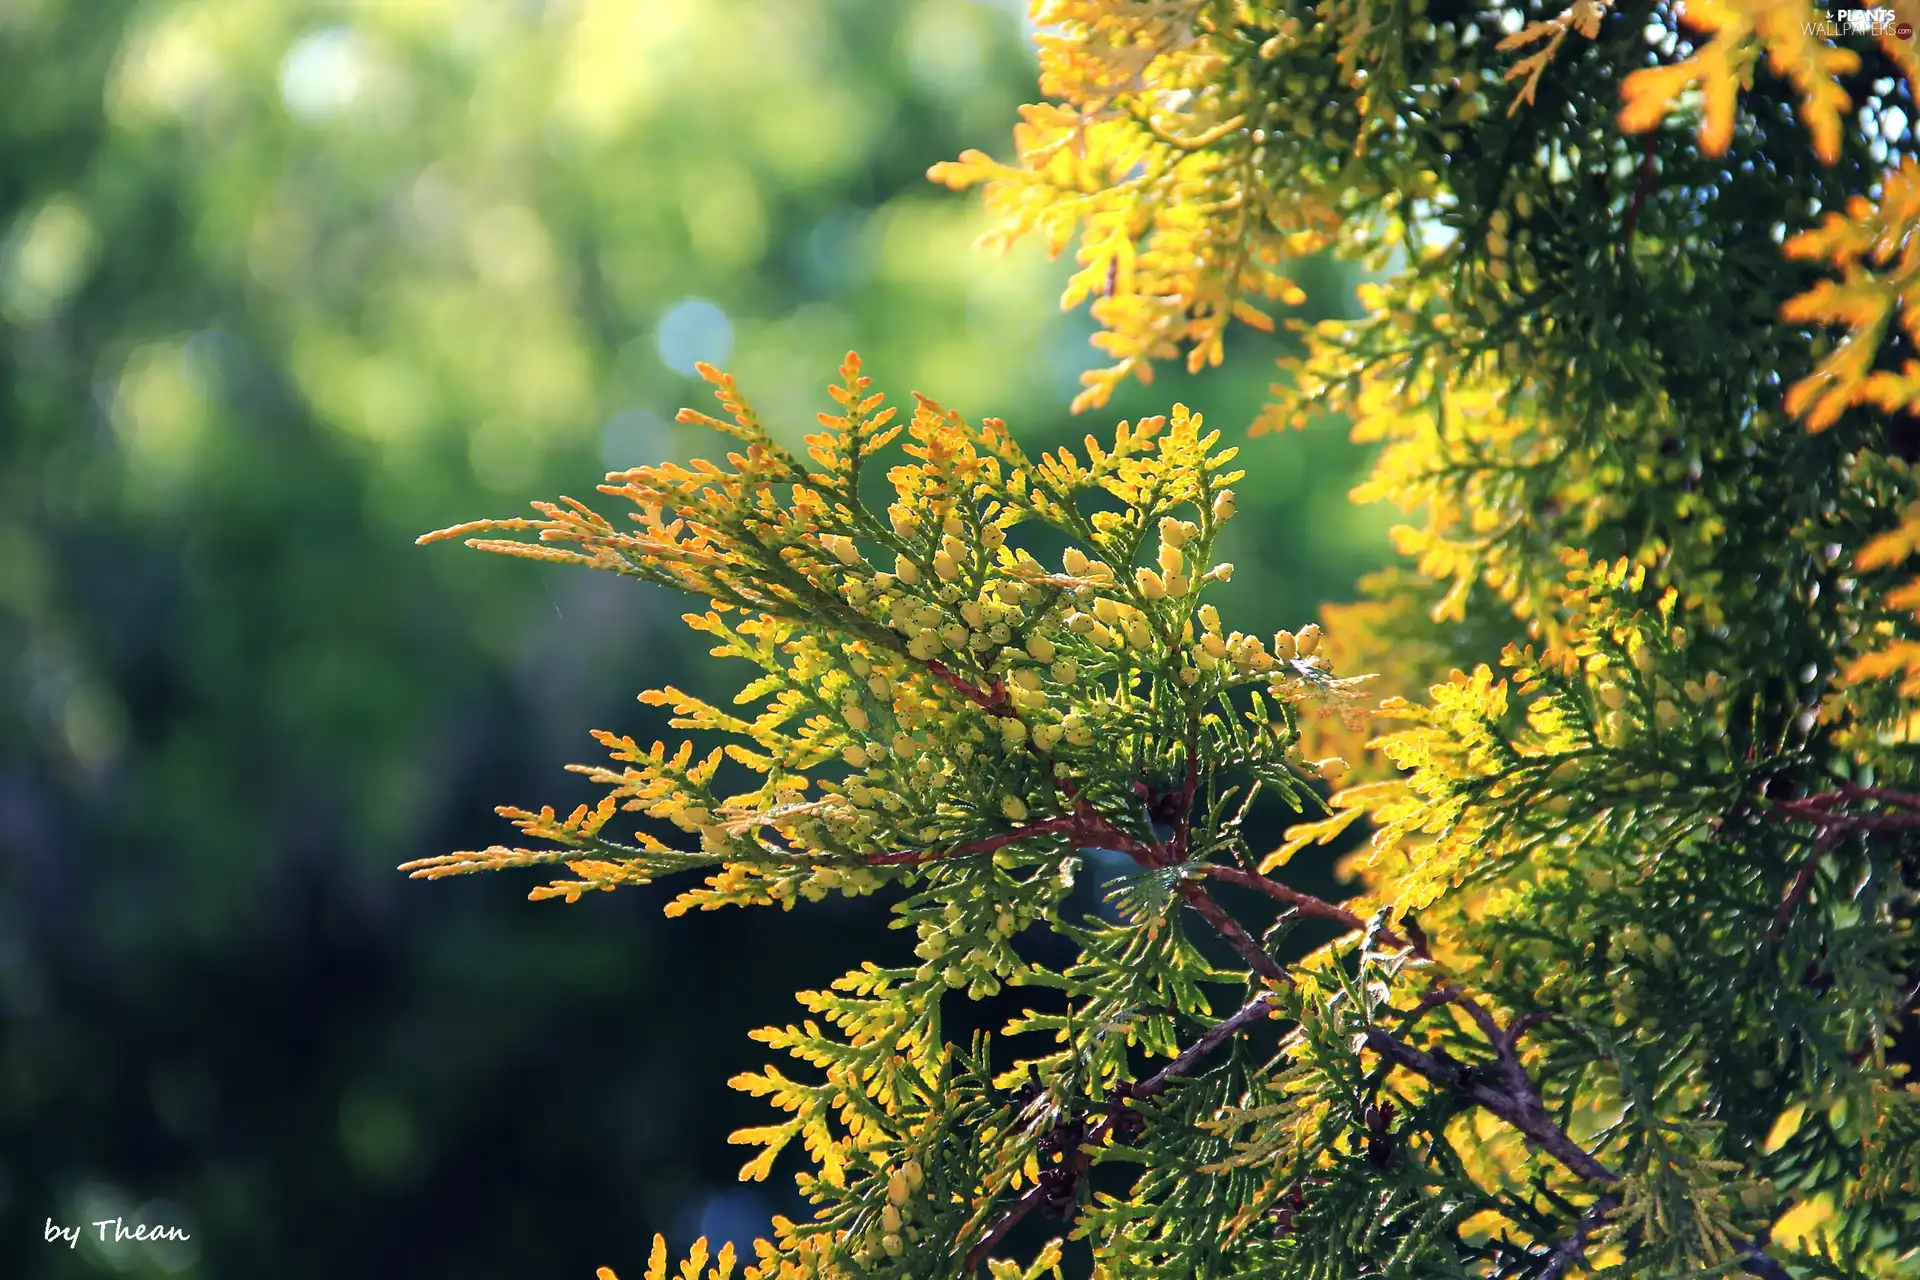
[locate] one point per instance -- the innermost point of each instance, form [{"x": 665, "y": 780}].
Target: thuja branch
[
  {"x": 1519, "y": 1104},
  {"x": 1305, "y": 903},
  {"x": 993, "y": 700},
  {"x": 1013, "y": 1217},
  {"x": 1823, "y": 811},
  {"x": 1257, "y": 1010},
  {"x": 1523, "y": 1110},
  {"x": 1574, "y": 1247},
  {"x": 1801, "y": 885},
  {"x": 1068, "y": 825},
  {"x": 1641, "y": 187},
  {"x": 1086, "y": 828},
  {"x": 1099, "y": 832},
  {"x": 1183, "y": 802},
  {"x": 1828, "y": 820},
  {"x": 1230, "y": 930},
  {"x": 1895, "y": 811},
  {"x": 1516, "y": 1099},
  {"x": 1756, "y": 1261},
  {"x": 1320, "y": 909}
]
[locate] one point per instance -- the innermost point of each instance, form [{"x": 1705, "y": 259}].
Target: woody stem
[
  {"x": 1047, "y": 826},
  {"x": 1256, "y": 1011}
]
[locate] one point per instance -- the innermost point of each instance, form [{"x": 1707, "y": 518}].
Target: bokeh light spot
[
  {"x": 322, "y": 74},
  {"x": 45, "y": 260},
  {"x": 736, "y": 1216},
  {"x": 161, "y": 405},
  {"x": 691, "y": 331}
]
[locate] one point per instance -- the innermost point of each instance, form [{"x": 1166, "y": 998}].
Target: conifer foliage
[{"x": 1630, "y": 988}]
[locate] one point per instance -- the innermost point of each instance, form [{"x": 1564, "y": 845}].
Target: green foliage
[
  {"x": 966, "y": 723},
  {"x": 978, "y": 697},
  {"x": 1630, "y": 991}
]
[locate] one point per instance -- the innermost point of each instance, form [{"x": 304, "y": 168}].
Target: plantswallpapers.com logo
[{"x": 1859, "y": 22}]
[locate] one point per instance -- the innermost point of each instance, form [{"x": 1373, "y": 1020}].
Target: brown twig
[
  {"x": 1520, "y": 1106},
  {"x": 1515, "y": 1098},
  {"x": 994, "y": 700},
  {"x": 1008, "y": 1221},
  {"x": 1156, "y": 856},
  {"x": 1822, "y": 816},
  {"x": 1084, "y": 828},
  {"x": 1640, "y": 190},
  {"x": 1574, "y": 1247},
  {"x": 1823, "y": 813},
  {"x": 1440, "y": 995},
  {"x": 1258, "y": 1010},
  {"x": 1819, "y": 810},
  {"x": 1523, "y": 1112},
  {"x": 1522, "y": 1024},
  {"x": 1758, "y": 1263},
  {"x": 1183, "y": 825},
  {"x": 1064, "y": 825},
  {"x": 1802, "y": 882},
  {"x": 1305, "y": 903},
  {"x": 1320, "y": 909},
  {"x": 1899, "y": 799},
  {"x": 1243, "y": 943}
]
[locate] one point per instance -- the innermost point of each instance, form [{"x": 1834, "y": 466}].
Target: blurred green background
[{"x": 285, "y": 283}]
